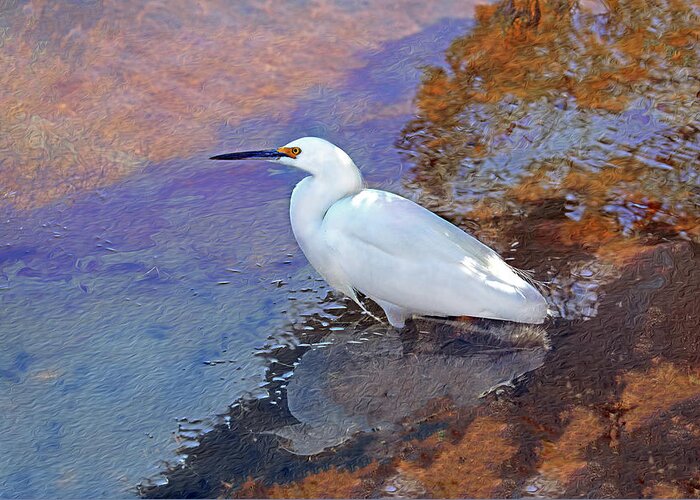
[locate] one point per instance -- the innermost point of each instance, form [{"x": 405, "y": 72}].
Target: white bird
[{"x": 395, "y": 252}]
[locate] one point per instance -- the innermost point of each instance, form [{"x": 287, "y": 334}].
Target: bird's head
[{"x": 311, "y": 154}]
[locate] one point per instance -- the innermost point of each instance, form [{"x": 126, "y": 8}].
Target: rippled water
[
  {"x": 161, "y": 328},
  {"x": 137, "y": 278}
]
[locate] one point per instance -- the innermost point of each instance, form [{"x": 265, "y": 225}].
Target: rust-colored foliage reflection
[
  {"x": 552, "y": 101},
  {"x": 90, "y": 92},
  {"x": 465, "y": 468}
]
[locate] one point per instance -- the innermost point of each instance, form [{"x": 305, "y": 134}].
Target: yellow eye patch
[{"x": 291, "y": 152}]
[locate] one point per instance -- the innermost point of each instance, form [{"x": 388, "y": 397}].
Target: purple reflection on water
[{"x": 115, "y": 302}]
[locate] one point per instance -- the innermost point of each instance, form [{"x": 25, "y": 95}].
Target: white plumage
[{"x": 399, "y": 254}]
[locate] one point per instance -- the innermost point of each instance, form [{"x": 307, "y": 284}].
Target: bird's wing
[{"x": 394, "y": 250}]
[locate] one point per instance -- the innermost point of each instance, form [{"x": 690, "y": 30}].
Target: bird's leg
[
  {"x": 369, "y": 313},
  {"x": 357, "y": 301}
]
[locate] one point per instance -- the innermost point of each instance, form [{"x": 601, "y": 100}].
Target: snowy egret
[{"x": 395, "y": 252}]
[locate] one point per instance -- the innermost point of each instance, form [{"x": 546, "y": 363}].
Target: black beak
[{"x": 265, "y": 154}]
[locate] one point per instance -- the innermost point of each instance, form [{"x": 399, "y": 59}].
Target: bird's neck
[{"x": 314, "y": 195}]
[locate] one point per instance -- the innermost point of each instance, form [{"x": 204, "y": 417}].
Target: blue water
[{"x": 115, "y": 302}]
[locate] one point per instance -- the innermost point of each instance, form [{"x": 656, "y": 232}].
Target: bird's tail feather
[{"x": 529, "y": 276}]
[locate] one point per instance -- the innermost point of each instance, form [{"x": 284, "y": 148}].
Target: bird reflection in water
[{"x": 381, "y": 380}]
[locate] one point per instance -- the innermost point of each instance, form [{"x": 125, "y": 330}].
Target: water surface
[
  {"x": 137, "y": 279},
  {"x": 161, "y": 328}
]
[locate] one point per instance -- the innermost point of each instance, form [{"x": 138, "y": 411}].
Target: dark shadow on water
[{"x": 344, "y": 387}]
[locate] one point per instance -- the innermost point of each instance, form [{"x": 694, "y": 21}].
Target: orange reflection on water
[
  {"x": 562, "y": 458},
  {"x": 548, "y": 90},
  {"x": 647, "y": 393},
  {"x": 91, "y": 92},
  {"x": 466, "y": 468}
]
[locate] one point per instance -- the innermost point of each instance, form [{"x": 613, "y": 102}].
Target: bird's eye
[{"x": 295, "y": 151}]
